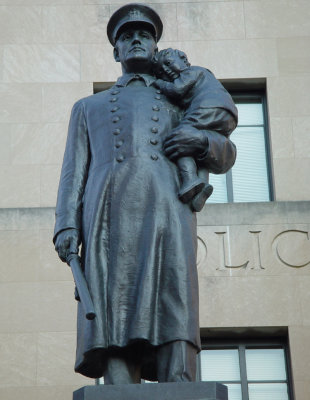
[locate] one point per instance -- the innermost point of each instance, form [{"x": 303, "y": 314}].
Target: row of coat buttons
[
  {"x": 155, "y": 118},
  {"x": 116, "y": 119},
  {"x": 117, "y": 131}
]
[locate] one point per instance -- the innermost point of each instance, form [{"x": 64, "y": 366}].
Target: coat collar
[{"x": 126, "y": 78}]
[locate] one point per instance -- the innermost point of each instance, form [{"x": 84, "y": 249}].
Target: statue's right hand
[{"x": 67, "y": 242}]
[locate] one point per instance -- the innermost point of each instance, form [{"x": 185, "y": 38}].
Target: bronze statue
[{"x": 118, "y": 198}]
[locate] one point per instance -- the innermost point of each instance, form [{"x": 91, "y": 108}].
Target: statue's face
[{"x": 135, "y": 48}]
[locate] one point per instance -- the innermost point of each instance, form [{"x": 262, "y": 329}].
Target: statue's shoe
[
  {"x": 189, "y": 190},
  {"x": 199, "y": 200}
]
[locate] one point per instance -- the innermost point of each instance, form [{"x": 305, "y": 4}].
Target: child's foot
[
  {"x": 199, "y": 200},
  {"x": 188, "y": 191}
]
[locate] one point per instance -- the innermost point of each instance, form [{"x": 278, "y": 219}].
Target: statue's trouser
[{"x": 176, "y": 362}]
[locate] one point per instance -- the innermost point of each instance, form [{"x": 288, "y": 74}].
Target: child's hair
[{"x": 160, "y": 59}]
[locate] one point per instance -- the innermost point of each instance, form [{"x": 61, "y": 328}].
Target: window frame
[
  {"x": 243, "y": 95},
  {"x": 242, "y": 345}
]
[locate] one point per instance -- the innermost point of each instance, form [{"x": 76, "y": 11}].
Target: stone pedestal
[{"x": 160, "y": 391}]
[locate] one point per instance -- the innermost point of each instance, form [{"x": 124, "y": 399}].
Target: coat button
[
  {"x": 118, "y": 144},
  {"x": 157, "y": 97},
  {"x": 113, "y": 100},
  {"x": 120, "y": 158},
  {"x": 154, "y": 130},
  {"x": 116, "y": 132},
  {"x": 116, "y": 119},
  {"x": 154, "y": 157},
  {"x": 154, "y": 141},
  {"x": 155, "y": 108},
  {"x": 155, "y": 118},
  {"x": 114, "y": 109},
  {"x": 158, "y": 91},
  {"x": 114, "y": 92}
]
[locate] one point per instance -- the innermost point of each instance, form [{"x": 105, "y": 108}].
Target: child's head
[{"x": 169, "y": 63}]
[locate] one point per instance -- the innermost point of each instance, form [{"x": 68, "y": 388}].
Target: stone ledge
[{"x": 161, "y": 391}]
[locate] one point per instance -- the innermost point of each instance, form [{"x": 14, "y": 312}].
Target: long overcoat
[{"x": 138, "y": 239}]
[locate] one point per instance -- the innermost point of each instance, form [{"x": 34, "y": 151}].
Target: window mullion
[
  {"x": 229, "y": 186},
  {"x": 243, "y": 373},
  {"x": 198, "y": 367}
]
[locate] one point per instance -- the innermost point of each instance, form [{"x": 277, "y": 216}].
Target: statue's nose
[{"x": 136, "y": 39}]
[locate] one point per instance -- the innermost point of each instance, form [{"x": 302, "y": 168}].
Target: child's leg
[
  {"x": 199, "y": 200},
  {"x": 191, "y": 183}
]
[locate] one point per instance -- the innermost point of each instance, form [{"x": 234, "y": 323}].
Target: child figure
[{"x": 198, "y": 91}]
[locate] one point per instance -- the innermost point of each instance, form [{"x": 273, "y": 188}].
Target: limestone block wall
[
  {"x": 254, "y": 272},
  {"x": 51, "y": 53}
]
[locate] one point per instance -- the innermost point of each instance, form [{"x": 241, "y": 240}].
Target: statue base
[{"x": 159, "y": 391}]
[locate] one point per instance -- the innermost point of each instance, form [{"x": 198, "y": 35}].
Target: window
[
  {"x": 251, "y": 371},
  {"x": 249, "y": 179}
]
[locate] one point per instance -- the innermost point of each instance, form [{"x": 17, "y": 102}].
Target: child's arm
[{"x": 180, "y": 86}]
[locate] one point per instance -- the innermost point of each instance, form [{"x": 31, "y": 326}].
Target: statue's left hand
[{"x": 183, "y": 142}]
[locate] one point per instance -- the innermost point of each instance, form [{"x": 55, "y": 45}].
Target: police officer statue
[{"x": 118, "y": 199}]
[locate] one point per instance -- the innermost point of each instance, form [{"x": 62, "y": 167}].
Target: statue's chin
[{"x": 138, "y": 63}]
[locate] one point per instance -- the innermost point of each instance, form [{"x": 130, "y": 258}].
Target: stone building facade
[{"x": 253, "y": 259}]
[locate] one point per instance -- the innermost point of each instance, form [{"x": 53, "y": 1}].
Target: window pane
[
  {"x": 265, "y": 364},
  {"x": 268, "y": 391},
  {"x": 250, "y": 179},
  {"x": 250, "y": 113},
  {"x": 219, "y": 194},
  {"x": 220, "y": 365},
  {"x": 234, "y": 391}
]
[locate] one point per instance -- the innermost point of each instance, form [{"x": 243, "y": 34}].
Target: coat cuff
[{"x": 64, "y": 222}]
